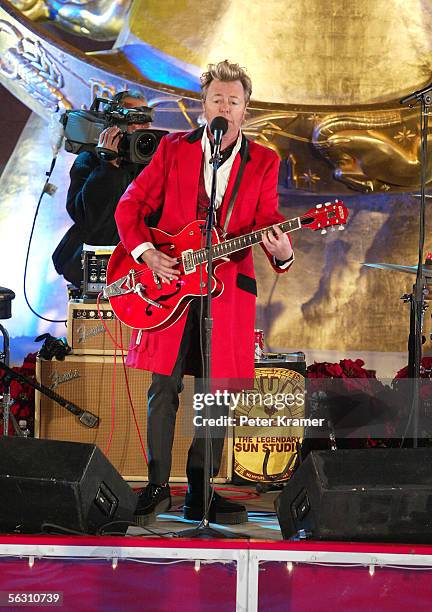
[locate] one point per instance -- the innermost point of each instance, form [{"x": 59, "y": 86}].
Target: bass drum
[{"x": 267, "y": 454}]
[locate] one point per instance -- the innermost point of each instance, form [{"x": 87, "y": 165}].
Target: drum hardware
[
  {"x": 416, "y": 339},
  {"x": 407, "y": 299},
  {"x": 6, "y": 297},
  {"x": 427, "y": 269},
  {"x": 296, "y": 357}
]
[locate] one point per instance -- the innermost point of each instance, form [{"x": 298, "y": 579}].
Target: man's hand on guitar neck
[
  {"x": 161, "y": 264},
  {"x": 278, "y": 244}
]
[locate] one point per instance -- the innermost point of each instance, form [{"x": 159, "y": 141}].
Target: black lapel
[
  {"x": 195, "y": 135},
  {"x": 243, "y": 148}
]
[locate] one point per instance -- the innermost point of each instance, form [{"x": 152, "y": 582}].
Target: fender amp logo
[
  {"x": 84, "y": 332},
  {"x": 58, "y": 379}
]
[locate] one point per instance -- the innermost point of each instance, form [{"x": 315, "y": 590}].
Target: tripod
[
  {"x": 6, "y": 297},
  {"x": 5, "y": 401},
  {"x": 424, "y": 96}
]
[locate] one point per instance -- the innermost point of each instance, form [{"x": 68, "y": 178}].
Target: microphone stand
[
  {"x": 424, "y": 96},
  {"x": 203, "y": 530}
]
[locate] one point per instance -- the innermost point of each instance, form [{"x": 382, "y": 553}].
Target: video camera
[{"x": 83, "y": 127}]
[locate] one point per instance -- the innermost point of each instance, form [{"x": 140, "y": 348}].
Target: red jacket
[{"x": 171, "y": 182}]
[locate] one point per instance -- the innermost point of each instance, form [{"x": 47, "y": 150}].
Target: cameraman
[{"x": 95, "y": 189}]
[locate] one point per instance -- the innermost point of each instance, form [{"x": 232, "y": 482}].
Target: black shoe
[
  {"x": 153, "y": 500},
  {"x": 222, "y": 510}
]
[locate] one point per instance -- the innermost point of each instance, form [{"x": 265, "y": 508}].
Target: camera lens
[{"x": 146, "y": 145}]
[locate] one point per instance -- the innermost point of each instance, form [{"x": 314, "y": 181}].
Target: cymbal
[{"x": 427, "y": 270}]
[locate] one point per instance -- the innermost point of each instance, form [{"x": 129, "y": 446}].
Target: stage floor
[
  {"x": 153, "y": 569},
  {"x": 262, "y": 523}
]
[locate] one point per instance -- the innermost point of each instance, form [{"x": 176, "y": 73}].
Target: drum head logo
[{"x": 264, "y": 445}]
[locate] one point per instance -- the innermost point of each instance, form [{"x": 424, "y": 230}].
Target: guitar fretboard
[{"x": 241, "y": 242}]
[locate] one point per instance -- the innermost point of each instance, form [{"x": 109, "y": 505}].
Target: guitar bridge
[
  {"x": 122, "y": 286},
  {"x": 188, "y": 263}
]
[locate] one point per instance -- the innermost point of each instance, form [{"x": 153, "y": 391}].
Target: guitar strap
[{"x": 236, "y": 187}]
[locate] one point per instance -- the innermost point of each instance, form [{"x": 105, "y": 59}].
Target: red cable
[
  {"x": 130, "y": 400},
  {"x": 113, "y": 380},
  {"x": 121, "y": 347},
  {"x": 114, "y": 341},
  {"x": 245, "y": 494},
  {"x": 179, "y": 490}
]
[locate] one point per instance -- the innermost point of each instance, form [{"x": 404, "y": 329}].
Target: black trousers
[{"x": 163, "y": 402}]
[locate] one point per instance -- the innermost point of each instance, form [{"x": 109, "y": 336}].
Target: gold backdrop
[
  {"x": 328, "y": 300},
  {"x": 333, "y": 52},
  {"x": 327, "y": 77}
]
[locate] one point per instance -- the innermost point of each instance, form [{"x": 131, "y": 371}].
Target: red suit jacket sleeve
[{"x": 267, "y": 212}]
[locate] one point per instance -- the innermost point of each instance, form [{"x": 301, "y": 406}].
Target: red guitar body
[
  {"x": 135, "y": 308},
  {"x": 138, "y": 297}
]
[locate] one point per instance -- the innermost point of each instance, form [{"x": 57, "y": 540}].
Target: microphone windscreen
[{"x": 219, "y": 124}]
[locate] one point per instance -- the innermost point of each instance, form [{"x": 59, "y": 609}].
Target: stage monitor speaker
[
  {"x": 368, "y": 495},
  {"x": 68, "y": 484}
]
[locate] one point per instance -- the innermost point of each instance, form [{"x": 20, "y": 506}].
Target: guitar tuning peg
[
  {"x": 333, "y": 229},
  {"x": 341, "y": 228},
  {"x": 319, "y": 206},
  {"x": 324, "y": 231}
]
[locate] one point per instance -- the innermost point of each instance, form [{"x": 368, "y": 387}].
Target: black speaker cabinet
[
  {"x": 368, "y": 495},
  {"x": 69, "y": 484}
]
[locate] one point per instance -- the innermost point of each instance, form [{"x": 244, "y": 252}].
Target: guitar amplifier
[
  {"x": 87, "y": 334},
  {"x": 91, "y": 382},
  {"x": 94, "y": 261},
  {"x": 267, "y": 443}
]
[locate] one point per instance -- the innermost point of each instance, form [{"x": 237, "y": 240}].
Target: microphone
[{"x": 218, "y": 128}]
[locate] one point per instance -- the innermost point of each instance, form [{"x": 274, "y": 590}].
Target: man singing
[{"x": 178, "y": 183}]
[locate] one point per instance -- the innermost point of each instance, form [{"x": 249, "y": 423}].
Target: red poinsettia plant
[
  {"x": 354, "y": 400},
  {"x": 425, "y": 369},
  {"x": 22, "y": 394},
  {"x": 353, "y": 373},
  {"x": 425, "y": 387}
]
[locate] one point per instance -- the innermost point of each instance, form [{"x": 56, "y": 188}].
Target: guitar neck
[{"x": 241, "y": 242}]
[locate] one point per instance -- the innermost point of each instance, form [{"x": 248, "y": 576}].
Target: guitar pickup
[{"x": 188, "y": 263}]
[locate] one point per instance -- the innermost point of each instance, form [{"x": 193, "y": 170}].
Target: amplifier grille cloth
[
  {"x": 91, "y": 389},
  {"x": 87, "y": 334}
]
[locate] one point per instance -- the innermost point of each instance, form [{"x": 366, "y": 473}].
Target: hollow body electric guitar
[{"x": 140, "y": 299}]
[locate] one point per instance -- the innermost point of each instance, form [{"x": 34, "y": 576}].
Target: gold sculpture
[
  {"x": 331, "y": 90},
  {"x": 327, "y": 79},
  {"x": 96, "y": 19}
]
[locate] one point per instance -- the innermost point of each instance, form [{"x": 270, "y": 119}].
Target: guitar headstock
[{"x": 330, "y": 214}]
